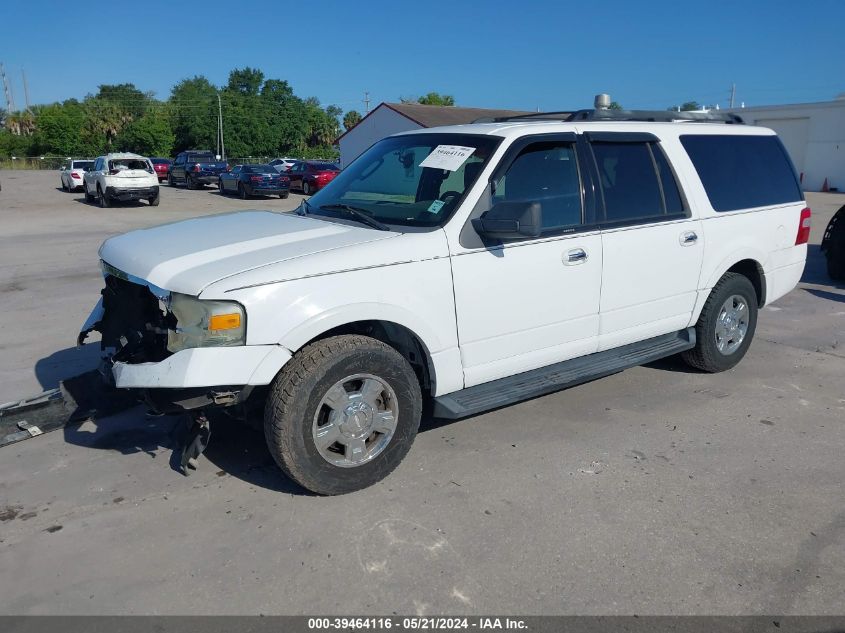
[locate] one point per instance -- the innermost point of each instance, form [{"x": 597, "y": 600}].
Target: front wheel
[
  {"x": 88, "y": 197},
  {"x": 242, "y": 192},
  {"x": 189, "y": 183},
  {"x": 726, "y": 325},
  {"x": 306, "y": 188},
  {"x": 170, "y": 180},
  {"x": 342, "y": 414}
]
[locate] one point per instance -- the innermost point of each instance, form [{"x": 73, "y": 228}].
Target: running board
[{"x": 539, "y": 382}]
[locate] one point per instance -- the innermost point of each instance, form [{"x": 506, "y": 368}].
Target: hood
[{"x": 188, "y": 256}]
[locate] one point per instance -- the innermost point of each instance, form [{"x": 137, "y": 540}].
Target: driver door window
[{"x": 546, "y": 173}]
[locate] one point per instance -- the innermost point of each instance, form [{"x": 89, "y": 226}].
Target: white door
[
  {"x": 652, "y": 248},
  {"x": 524, "y": 304}
]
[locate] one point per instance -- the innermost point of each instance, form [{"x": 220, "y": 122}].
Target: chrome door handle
[
  {"x": 688, "y": 238},
  {"x": 575, "y": 256}
]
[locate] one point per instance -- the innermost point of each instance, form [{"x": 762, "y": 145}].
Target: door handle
[
  {"x": 575, "y": 256},
  {"x": 688, "y": 238}
]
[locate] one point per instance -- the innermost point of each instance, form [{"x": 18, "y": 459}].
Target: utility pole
[
  {"x": 25, "y": 90},
  {"x": 221, "y": 147},
  {"x": 366, "y": 101},
  {"x": 733, "y": 94},
  {"x": 7, "y": 89}
]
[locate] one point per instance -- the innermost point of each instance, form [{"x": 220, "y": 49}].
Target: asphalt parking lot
[{"x": 658, "y": 490}]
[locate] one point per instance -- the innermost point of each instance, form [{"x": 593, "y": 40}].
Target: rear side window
[
  {"x": 634, "y": 185},
  {"x": 743, "y": 172}
]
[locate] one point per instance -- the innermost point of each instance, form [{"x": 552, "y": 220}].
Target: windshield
[
  {"x": 82, "y": 164},
  {"x": 201, "y": 158},
  {"x": 123, "y": 164},
  {"x": 412, "y": 180},
  {"x": 324, "y": 166}
]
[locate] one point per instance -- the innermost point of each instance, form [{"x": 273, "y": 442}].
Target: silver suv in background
[{"x": 121, "y": 177}]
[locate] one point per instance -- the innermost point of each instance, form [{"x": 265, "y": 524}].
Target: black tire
[
  {"x": 189, "y": 184},
  {"x": 306, "y": 188},
  {"x": 64, "y": 186},
  {"x": 220, "y": 188},
  {"x": 706, "y": 355},
  {"x": 155, "y": 200},
  {"x": 88, "y": 197},
  {"x": 170, "y": 180},
  {"x": 242, "y": 192},
  {"x": 103, "y": 198},
  {"x": 834, "y": 246},
  {"x": 283, "y": 196},
  {"x": 299, "y": 389}
]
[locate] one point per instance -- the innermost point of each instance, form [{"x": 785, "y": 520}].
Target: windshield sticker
[
  {"x": 435, "y": 206},
  {"x": 449, "y": 157}
]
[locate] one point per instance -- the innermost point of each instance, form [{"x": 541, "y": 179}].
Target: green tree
[
  {"x": 151, "y": 135},
  {"x": 435, "y": 98},
  {"x": 246, "y": 81},
  {"x": 351, "y": 119},
  {"x": 615, "y": 105},
  {"x": 193, "y": 103},
  {"x": 686, "y": 107},
  {"x": 60, "y": 129}
]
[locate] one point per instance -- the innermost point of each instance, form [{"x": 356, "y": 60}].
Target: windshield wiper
[{"x": 359, "y": 214}]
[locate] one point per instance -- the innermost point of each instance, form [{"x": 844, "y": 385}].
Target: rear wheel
[
  {"x": 242, "y": 192},
  {"x": 220, "y": 188},
  {"x": 105, "y": 202},
  {"x": 342, "y": 414},
  {"x": 189, "y": 183},
  {"x": 283, "y": 195},
  {"x": 154, "y": 201},
  {"x": 64, "y": 186},
  {"x": 726, "y": 326},
  {"x": 170, "y": 180}
]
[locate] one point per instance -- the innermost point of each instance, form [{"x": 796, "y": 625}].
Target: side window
[
  {"x": 629, "y": 181},
  {"x": 743, "y": 171},
  {"x": 671, "y": 193},
  {"x": 236, "y": 169},
  {"x": 98, "y": 165},
  {"x": 547, "y": 173}
]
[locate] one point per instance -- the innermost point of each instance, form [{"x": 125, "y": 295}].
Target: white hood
[{"x": 190, "y": 255}]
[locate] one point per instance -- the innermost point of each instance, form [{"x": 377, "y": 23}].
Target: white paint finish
[
  {"x": 781, "y": 280},
  {"x": 415, "y": 294},
  {"x": 380, "y": 123},
  {"x": 648, "y": 276},
  {"x": 821, "y": 151},
  {"x": 188, "y": 256},
  {"x": 203, "y": 367},
  {"x": 519, "y": 307}
]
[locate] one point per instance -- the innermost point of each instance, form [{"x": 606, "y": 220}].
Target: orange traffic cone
[{"x": 825, "y": 186}]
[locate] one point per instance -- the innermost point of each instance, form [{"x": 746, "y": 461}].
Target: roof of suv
[
  {"x": 508, "y": 129},
  {"x": 123, "y": 155}
]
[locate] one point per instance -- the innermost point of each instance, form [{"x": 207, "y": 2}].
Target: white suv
[
  {"x": 472, "y": 266},
  {"x": 121, "y": 177}
]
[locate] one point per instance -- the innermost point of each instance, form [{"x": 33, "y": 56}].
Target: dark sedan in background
[
  {"x": 254, "y": 180},
  {"x": 311, "y": 175},
  {"x": 162, "y": 167}
]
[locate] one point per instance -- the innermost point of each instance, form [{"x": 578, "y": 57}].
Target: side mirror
[{"x": 510, "y": 220}]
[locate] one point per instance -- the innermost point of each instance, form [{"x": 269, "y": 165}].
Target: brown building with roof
[{"x": 392, "y": 118}]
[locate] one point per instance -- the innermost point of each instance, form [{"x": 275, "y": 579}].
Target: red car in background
[
  {"x": 162, "y": 167},
  {"x": 310, "y": 176}
]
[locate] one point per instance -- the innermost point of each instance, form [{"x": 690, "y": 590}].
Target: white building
[
  {"x": 391, "y": 118},
  {"x": 814, "y": 136}
]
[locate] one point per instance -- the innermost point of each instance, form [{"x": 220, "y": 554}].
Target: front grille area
[{"x": 134, "y": 322}]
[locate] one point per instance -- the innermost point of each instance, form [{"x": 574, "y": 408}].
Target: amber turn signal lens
[{"x": 224, "y": 321}]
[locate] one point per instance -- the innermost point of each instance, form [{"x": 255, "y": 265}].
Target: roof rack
[
  {"x": 656, "y": 115},
  {"x": 622, "y": 115}
]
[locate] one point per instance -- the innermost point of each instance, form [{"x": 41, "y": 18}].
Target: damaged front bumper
[{"x": 133, "y": 321}]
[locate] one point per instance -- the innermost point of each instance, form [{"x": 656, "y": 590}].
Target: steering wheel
[{"x": 449, "y": 194}]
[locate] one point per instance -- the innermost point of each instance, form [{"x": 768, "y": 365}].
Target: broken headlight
[{"x": 201, "y": 323}]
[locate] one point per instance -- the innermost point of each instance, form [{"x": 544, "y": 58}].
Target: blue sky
[{"x": 517, "y": 54}]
